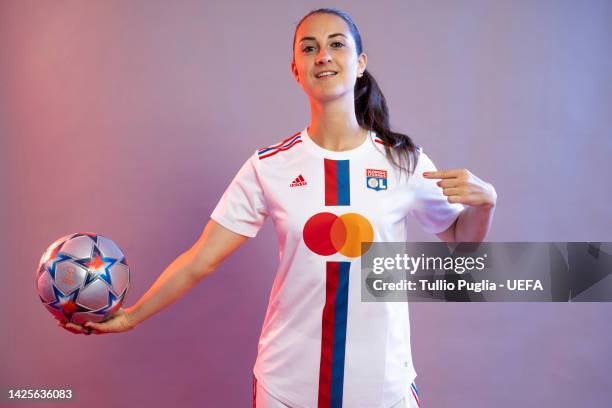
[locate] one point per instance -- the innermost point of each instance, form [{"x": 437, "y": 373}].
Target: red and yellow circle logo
[{"x": 326, "y": 234}]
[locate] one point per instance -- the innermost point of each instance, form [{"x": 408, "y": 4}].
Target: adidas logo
[{"x": 299, "y": 181}]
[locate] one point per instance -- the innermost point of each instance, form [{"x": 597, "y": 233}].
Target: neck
[{"x": 333, "y": 124}]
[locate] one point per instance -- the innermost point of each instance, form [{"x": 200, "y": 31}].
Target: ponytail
[{"x": 372, "y": 113}]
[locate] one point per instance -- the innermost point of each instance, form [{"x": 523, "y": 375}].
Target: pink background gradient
[{"x": 129, "y": 118}]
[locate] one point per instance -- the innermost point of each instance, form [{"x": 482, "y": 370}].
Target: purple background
[{"x": 129, "y": 118}]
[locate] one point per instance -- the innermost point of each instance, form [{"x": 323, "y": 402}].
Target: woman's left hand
[{"x": 461, "y": 186}]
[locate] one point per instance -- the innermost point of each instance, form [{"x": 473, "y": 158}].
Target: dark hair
[{"x": 371, "y": 106}]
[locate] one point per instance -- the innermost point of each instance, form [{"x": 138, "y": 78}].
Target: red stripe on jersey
[
  {"x": 327, "y": 335},
  {"x": 331, "y": 182},
  {"x": 296, "y": 141},
  {"x": 416, "y": 398},
  {"x": 281, "y": 143}
]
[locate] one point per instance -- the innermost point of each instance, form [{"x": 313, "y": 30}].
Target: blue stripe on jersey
[
  {"x": 344, "y": 186},
  {"x": 267, "y": 149},
  {"x": 340, "y": 312}
]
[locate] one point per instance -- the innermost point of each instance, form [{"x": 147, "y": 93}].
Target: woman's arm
[
  {"x": 472, "y": 225},
  {"x": 479, "y": 197},
  {"x": 213, "y": 246}
]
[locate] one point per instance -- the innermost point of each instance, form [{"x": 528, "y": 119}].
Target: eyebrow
[{"x": 330, "y": 36}]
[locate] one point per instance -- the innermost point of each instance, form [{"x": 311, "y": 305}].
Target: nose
[{"x": 323, "y": 56}]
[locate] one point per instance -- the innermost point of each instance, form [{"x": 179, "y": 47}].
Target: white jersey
[{"x": 321, "y": 345}]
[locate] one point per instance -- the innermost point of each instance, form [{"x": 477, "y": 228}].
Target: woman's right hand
[{"x": 116, "y": 323}]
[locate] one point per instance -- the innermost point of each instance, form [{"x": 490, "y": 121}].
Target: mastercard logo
[{"x": 326, "y": 234}]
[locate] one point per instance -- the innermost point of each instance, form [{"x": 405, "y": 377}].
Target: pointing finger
[
  {"x": 433, "y": 174},
  {"x": 443, "y": 174}
]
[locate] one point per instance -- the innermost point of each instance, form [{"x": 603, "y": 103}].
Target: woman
[{"x": 343, "y": 180}]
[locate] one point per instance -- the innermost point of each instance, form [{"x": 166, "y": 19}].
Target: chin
[{"x": 327, "y": 95}]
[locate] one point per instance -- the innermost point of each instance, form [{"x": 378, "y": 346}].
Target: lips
[{"x": 325, "y": 74}]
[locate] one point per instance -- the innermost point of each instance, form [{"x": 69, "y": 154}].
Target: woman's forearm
[
  {"x": 214, "y": 245},
  {"x": 177, "y": 278},
  {"x": 473, "y": 224}
]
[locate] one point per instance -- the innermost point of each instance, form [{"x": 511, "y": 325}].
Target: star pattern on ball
[
  {"x": 54, "y": 258},
  {"x": 66, "y": 304},
  {"x": 113, "y": 304},
  {"x": 98, "y": 266}
]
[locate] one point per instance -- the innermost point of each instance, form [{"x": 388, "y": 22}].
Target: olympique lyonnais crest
[{"x": 376, "y": 179}]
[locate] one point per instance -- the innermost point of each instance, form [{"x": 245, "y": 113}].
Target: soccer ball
[{"x": 82, "y": 277}]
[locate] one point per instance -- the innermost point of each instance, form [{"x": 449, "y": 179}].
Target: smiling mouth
[{"x": 326, "y": 74}]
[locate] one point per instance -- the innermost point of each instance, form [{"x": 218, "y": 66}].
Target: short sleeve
[
  {"x": 242, "y": 208},
  {"x": 431, "y": 207}
]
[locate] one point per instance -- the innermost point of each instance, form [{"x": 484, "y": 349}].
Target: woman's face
[{"x": 323, "y": 43}]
